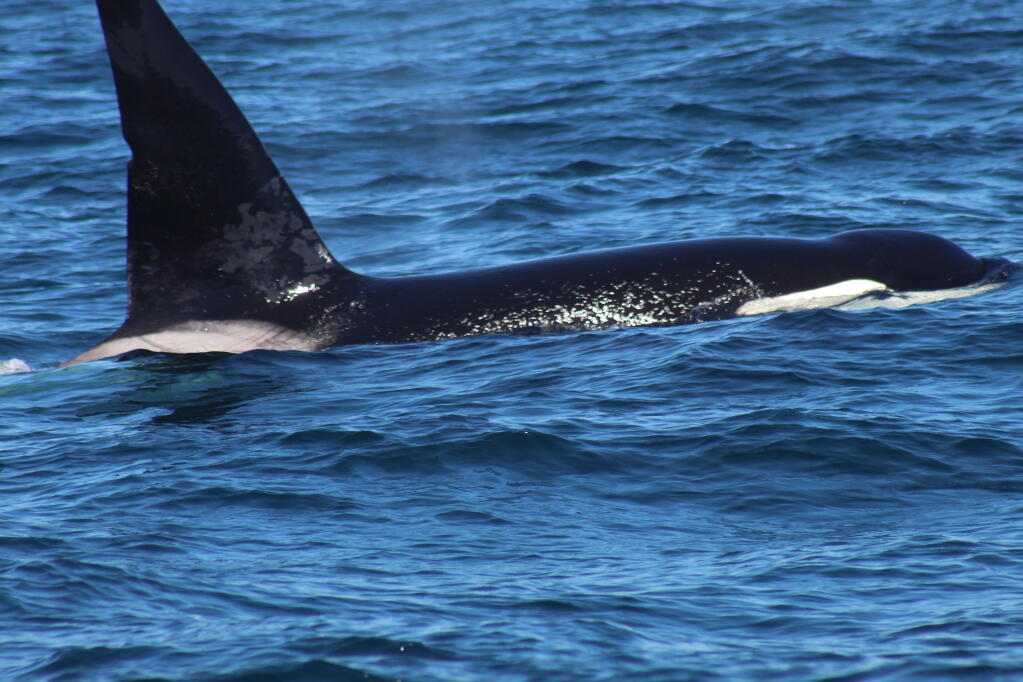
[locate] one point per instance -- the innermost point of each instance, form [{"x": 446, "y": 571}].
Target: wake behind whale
[{"x": 222, "y": 256}]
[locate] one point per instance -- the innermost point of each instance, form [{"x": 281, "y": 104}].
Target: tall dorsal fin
[{"x": 214, "y": 231}]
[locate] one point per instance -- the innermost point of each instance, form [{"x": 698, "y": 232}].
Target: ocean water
[{"x": 828, "y": 494}]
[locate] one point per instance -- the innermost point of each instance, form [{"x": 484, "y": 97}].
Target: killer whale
[{"x": 221, "y": 256}]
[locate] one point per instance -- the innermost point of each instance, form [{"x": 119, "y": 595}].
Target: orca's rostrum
[{"x": 222, "y": 257}]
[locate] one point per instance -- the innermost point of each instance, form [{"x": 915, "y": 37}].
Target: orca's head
[{"x": 906, "y": 260}]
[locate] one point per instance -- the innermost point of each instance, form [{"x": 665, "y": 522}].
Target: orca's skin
[{"x": 222, "y": 257}]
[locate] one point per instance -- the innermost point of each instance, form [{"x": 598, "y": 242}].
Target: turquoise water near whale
[{"x": 815, "y": 495}]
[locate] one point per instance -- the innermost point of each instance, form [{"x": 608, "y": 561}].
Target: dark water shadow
[{"x": 182, "y": 389}]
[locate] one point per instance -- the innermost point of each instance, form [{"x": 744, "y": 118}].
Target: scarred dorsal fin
[{"x": 214, "y": 231}]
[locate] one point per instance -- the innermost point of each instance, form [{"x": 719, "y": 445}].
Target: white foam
[
  {"x": 14, "y": 366},
  {"x": 823, "y": 297}
]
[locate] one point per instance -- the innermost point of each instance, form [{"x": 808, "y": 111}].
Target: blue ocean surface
[{"x": 816, "y": 495}]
